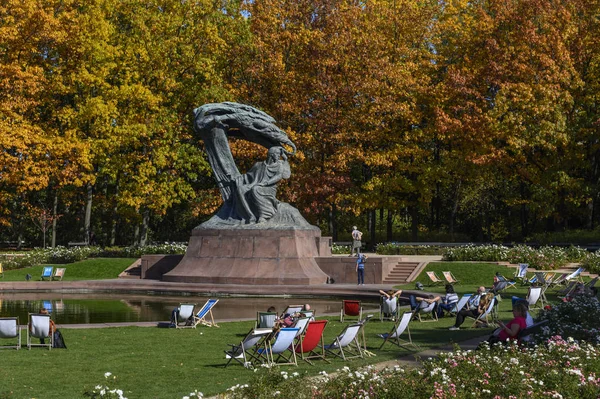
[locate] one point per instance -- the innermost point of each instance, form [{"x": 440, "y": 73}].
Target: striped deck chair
[
  {"x": 59, "y": 273},
  {"x": 434, "y": 279},
  {"x": 204, "y": 312}
]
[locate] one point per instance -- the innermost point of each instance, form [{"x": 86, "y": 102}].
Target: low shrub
[
  {"x": 340, "y": 249},
  {"x": 578, "y": 319},
  {"x": 394, "y": 248},
  {"x": 591, "y": 262}
]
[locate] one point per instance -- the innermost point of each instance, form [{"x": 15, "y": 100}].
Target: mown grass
[
  {"x": 169, "y": 363},
  {"x": 89, "y": 269}
]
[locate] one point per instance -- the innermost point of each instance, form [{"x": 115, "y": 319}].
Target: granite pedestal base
[{"x": 251, "y": 256}]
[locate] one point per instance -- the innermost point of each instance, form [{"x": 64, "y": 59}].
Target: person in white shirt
[{"x": 356, "y": 241}]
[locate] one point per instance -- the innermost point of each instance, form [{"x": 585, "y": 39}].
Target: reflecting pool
[{"x": 106, "y": 308}]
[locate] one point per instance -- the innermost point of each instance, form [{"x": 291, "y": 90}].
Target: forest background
[{"x": 415, "y": 119}]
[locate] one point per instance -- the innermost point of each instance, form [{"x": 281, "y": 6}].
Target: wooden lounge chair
[
  {"x": 59, "y": 273},
  {"x": 450, "y": 278},
  {"x": 399, "y": 328},
  {"x": 460, "y": 304},
  {"x": 9, "y": 329},
  {"x": 350, "y": 308},
  {"x": 483, "y": 318},
  {"x": 428, "y": 309},
  {"x": 434, "y": 279}
]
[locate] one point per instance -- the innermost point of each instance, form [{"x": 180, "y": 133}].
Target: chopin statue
[{"x": 249, "y": 199}]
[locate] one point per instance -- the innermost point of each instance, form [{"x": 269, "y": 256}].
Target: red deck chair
[
  {"x": 311, "y": 339},
  {"x": 350, "y": 308}
]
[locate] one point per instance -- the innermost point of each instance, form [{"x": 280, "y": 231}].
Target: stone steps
[
  {"x": 400, "y": 273},
  {"x": 133, "y": 272}
]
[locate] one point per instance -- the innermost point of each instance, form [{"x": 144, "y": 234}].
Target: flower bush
[
  {"x": 340, "y": 249},
  {"x": 105, "y": 391},
  {"x": 394, "y": 248},
  {"x": 62, "y": 255},
  {"x": 591, "y": 262},
  {"x": 544, "y": 258},
  {"x": 578, "y": 319},
  {"x": 557, "y": 369}
]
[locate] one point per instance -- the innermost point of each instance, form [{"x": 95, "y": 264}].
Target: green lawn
[
  {"x": 168, "y": 363},
  {"x": 89, "y": 269}
]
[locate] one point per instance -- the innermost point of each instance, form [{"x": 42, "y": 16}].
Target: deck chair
[
  {"x": 308, "y": 313},
  {"x": 534, "y": 297},
  {"x": 185, "y": 313},
  {"x": 47, "y": 273},
  {"x": 460, "y": 304},
  {"x": 292, "y": 309},
  {"x": 9, "y": 329},
  {"x": 346, "y": 345},
  {"x": 350, "y": 308},
  {"x": 532, "y": 329},
  {"x": 426, "y": 309},
  {"x": 576, "y": 275},
  {"x": 59, "y": 273},
  {"x": 434, "y": 279},
  {"x": 362, "y": 340},
  {"x": 592, "y": 283},
  {"x": 388, "y": 308},
  {"x": 566, "y": 290},
  {"x": 450, "y": 278},
  {"x": 521, "y": 273},
  {"x": 312, "y": 341},
  {"x": 301, "y": 324},
  {"x": 283, "y": 343},
  {"x": 1, "y": 270},
  {"x": 242, "y": 352},
  {"x": 265, "y": 319},
  {"x": 39, "y": 327},
  {"x": 483, "y": 319},
  {"x": 560, "y": 280},
  {"x": 203, "y": 313},
  {"x": 397, "y": 331}
]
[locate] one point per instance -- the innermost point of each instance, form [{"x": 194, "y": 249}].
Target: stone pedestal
[{"x": 251, "y": 256}]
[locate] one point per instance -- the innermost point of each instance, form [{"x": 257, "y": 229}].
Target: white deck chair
[
  {"x": 9, "y": 329},
  {"x": 301, "y": 324},
  {"x": 265, "y": 319},
  {"x": 576, "y": 275},
  {"x": 186, "y": 311},
  {"x": 283, "y": 343},
  {"x": 428, "y": 309},
  {"x": 241, "y": 352},
  {"x": 292, "y": 309},
  {"x": 389, "y": 307},
  {"x": 484, "y": 317},
  {"x": 39, "y": 327},
  {"x": 204, "y": 313},
  {"x": 399, "y": 328},
  {"x": 460, "y": 304},
  {"x": 346, "y": 343},
  {"x": 521, "y": 273},
  {"x": 534, "y": 296}
]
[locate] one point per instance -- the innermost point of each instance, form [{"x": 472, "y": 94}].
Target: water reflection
[{"x": 106, "y": 308}]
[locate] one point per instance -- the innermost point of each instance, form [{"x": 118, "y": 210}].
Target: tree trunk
[
  {"x": 372, "y": 219},
  {"x": 115, "y": 215},
  {"x": 54, "y": 219},
  {"x": 389, "y": 226},
  {"x": 136, "y": 235},
  {"x": 333, "y": 225},
  {"x": 414, "y": 223},
  {"x": 144, "y": 232},
  {"x": 88, "y": 214}
]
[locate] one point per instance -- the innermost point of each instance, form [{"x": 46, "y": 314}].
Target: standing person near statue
[
  {"x": 360, "y": 268},
  {"x": 356, "y": 243}
]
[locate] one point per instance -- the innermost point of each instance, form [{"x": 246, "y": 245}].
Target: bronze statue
[{"x": 249, "y": 198}]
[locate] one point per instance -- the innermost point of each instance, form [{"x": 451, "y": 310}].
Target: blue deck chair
[
  {"x": 283, "y": 343},
  {"x": 47, "y": 273},
  {"x": 204, "y": 312}
]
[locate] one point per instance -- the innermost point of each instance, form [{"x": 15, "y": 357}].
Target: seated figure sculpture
[{"x": 256, "y": 190}]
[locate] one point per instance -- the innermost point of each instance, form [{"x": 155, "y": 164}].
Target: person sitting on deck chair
[
  {"x": 473, "y": 308},
  {"x": 448, "y": 301}
]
